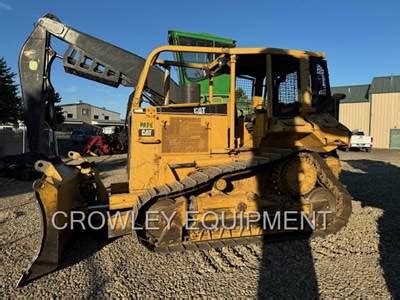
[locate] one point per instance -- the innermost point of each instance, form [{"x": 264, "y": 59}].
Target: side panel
[
  {"x": 185, "y": 134},
  {"x": 168, "y": 142},
  {"x": 143, "y": 157}
]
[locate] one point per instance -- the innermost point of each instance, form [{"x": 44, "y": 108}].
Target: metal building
[
  {"x": 354, "y": 110},
  {"x": 373, "y": 108},
  {"x": 83, "y": 115}
]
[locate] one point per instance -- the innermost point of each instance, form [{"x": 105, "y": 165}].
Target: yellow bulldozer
[{"x": 198, "y": 164}]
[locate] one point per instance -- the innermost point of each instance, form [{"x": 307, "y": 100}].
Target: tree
[
  {"x": 240, "y": 94},
  {"x": 58, "y": 109},
  {"x": 10, "y": 103},
  {"x": 242, "y": 101},
  {"x": 55, "y": 98}
]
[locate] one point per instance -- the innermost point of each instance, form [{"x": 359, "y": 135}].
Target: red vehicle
[
  {"x": 106, "y": 144},
  {"x": 96, "y": 145}
]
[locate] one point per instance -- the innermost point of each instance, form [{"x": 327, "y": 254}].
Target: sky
[{"x": 361, "y": 38}]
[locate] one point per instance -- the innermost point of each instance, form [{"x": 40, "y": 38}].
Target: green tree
[
  {"x": 58, "y": 109},
  {"x": 10, "y": 103},
  {"x": 59, "y": 116},
  {"x": 240, "y": 94}
]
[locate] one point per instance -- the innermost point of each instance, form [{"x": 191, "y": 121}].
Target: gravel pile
[{"x": 362, "y": 260}]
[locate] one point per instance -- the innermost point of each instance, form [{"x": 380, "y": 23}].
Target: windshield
[{"x": 358, "y": 133}]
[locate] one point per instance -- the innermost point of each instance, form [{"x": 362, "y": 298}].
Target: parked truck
[{"x": 359, "y": 140}]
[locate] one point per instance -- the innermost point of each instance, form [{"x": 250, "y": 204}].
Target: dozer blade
[{"x": 59, "y": 192}]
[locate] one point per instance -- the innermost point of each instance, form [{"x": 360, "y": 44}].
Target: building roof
[
  {"x": 386, "y": 84},
  {"x": 108, "y": 123},
  {"x": 81, "y": 102},
  {"x": 72, "y": 121},
  {"x": 354, "y": 93}
]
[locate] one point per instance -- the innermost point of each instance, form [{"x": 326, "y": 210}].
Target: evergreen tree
[
  {"x": 10, "y": 103},
  {"x": 58, "y": 109}
]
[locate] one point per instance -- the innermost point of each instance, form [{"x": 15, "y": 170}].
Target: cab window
[
  {"x": 286, "y": 85},
  {"x": 321, "y": 98}
]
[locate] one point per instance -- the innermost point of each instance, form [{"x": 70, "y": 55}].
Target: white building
[{"x": 81, "y": 114}]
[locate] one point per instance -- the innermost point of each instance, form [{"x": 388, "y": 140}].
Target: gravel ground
[{"x": 362, "y": 260}]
